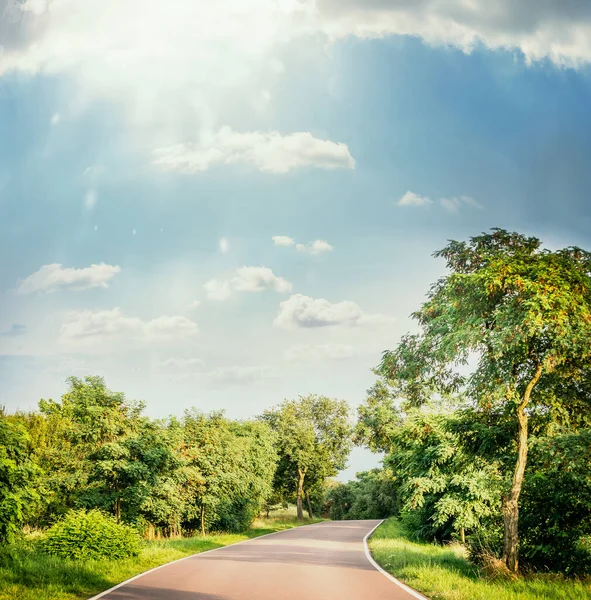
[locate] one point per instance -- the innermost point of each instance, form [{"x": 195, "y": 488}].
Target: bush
[{"x": 90, "y": 535}]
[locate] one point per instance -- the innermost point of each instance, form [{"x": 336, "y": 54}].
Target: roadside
[
  {"x": 443, "y": 572},
  {"x": 26, "y": 574}
]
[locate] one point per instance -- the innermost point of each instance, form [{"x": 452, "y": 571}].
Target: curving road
[{"x": 325, "y": 561}]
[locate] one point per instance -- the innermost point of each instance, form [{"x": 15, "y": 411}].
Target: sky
[{"x": 226, "y": 204}]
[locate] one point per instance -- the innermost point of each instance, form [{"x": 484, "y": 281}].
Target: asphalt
[{"x": 325, "y": 561}]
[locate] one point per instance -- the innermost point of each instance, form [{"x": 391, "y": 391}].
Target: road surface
[{"x": 326, "y": 561}]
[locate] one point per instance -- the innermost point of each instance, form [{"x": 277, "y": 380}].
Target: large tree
[
  {"x": 314, "y": 441},
  {"x": 517, "y": 317}
]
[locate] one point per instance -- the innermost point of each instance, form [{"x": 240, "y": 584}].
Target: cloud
[
  {"x": 315, "y": 247},
  {"x": 224, "y": 245},
  {"x": 454, "y": 204},
  {"x": 269, "y": 152},
  {"x": 216, "y": 289},
  {"x": 301, "y": 311},
  {"x": 88, "y": 326},
  {"x": 283, "y": 240},
  {"x": 16, "y": 329},
  {"x": 412, "y": 199},
  {"x": 50, "y": 278},
  {"x": 55, "y": 119},
  {"x": 240, "y": 375},
  {"x": 247, "y": 279},
  {"x": 195, "y": 304},
  {"x": 539, "y": 30},
  {"x": 257, "y": 279},
  {"x": 320, "y": 352}
]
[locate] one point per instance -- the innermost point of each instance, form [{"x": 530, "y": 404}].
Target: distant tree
[
  {"x": 313, "y": 440},
  {"x": 522, "y": 315}
]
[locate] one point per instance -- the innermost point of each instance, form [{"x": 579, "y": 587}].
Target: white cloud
[
  {"x": 412, "y": 199},
  {"x": 217, "y": 289},
  {"x": 195, "y": 304},
  {"x": 454, "y": 204},
  {"x": 283, "y": 240},
  {"x": 90, "y": 199},
  {"x": 55, "y": 119},
  {"x": 257, "y": 279},
  {"x": 266, "y": 151},
  {"x": 301, "y": 311},
  {"x": 539, "y": 30},
  {"x": 224, "y": 246},
  {"x": 240, "y": 374},
  {"x": 320, "y": 352},
  {"x": 315, "y": 247},
  {"x": 90, "y": 327},
  {"x": 247, "y": 279},
  {"x": 50, "y": 278}
]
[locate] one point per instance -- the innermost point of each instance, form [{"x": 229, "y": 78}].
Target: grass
[
  {"x": 26, "y": 574},
  {"x": 443, "y": 573}
]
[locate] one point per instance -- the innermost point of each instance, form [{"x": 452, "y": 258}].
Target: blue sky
[{"x": 143, "y": 158}]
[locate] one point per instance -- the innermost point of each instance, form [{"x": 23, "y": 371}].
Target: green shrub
[{"x": 90, "y": 535}]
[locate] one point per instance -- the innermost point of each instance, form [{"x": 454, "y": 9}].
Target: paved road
[{"x": 316, "y": 562}]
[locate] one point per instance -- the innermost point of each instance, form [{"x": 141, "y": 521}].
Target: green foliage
[
  {"x": 374, "y": 495},
  {"x": 314, "y": 438},
  {"x": 18, "y": 474},
  {"x": 234, "y": 464},
  {"x": 560, "y": 477},
  {"x": 83, "y": 535},
  {"x": 508, "y": 328}
]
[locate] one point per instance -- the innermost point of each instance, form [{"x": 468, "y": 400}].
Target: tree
[
  {"x": 17, "y": 477},
  {"x": 448, "y": 487},
  {"x": 235, "y": 462},
  {"x": 522, "y": 315},
  {"x": 314, "y": 441},
  {"x": 95, "y": 455}
]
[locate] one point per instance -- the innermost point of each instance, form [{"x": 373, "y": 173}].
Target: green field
[
  {"x": 443, "y": 573},
  {"x": 28, "y": 575}
]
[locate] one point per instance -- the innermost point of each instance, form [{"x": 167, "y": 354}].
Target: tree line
[{"x": 95, "y": 449}]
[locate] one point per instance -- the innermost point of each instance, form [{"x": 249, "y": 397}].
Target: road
[{"x": 316, "y": 562}]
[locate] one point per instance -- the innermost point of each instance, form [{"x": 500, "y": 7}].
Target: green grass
[
  {"x": 443, "y": 573},
  {"x": 29, "y": 575}
]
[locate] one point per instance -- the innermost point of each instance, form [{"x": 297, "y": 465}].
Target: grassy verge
[
  {"x": 443, "y": 573},
  {"x": 28, "y": 575}
]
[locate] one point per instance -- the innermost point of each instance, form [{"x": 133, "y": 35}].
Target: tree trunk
[
  {"x": 463, "y": 535},
  {"x": 118, "y": 508},
  {"x": 310, "y": 512},
  {"x": 511, "y": 501},
  {"x": 202, "y": 520},
  {"x": 301, "y": 475}
]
